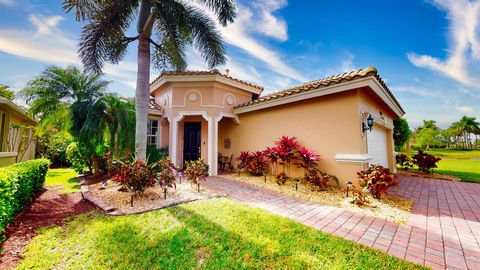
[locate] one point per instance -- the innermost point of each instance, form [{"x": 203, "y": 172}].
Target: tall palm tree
[
  {"x": 56, "y": 87},
  {"x": 175, "y": 23},
  {"x": 466, "y": 126}
]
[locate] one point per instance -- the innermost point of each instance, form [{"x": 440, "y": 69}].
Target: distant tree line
[{"x": 462, "y": 134}]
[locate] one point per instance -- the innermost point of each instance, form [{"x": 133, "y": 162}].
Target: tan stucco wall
[{"x": 328, "y": 125}]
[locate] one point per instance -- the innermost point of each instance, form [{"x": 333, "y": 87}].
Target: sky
[{"x": 427, "y": 51}]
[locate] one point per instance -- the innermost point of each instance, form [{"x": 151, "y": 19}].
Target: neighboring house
[
  {"x": 17, "y": 142},
  {"x": 203, "y": 113}
]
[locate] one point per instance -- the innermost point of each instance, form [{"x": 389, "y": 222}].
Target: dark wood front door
[{"x": 191, "y": 141}]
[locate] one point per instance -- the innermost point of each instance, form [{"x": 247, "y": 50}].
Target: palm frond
[
  {"x": 225, "y": 9},
  {"x": 103, "y": 38}
]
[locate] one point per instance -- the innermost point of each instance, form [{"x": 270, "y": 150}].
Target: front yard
[
  {"x": 213, "y": 234},
  {"x": 462, "y": 164}
]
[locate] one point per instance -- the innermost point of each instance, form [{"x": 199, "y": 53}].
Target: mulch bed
[
  {"x": 429, "y": 175},
  {"x": 49, "y": 208}
]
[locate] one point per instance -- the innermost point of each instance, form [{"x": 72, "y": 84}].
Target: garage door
[{"x": 377, "y": 146}]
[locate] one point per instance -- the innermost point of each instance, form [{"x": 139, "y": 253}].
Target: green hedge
[{"x": 18, "y": 184}]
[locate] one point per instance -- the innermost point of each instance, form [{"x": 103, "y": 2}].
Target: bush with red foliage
[
  {"x": 243, "y": 160},
  {"x": 136, "y": 176},
  {"x": 281, "y": 178},
  {"x": 307, "y": 160},
  {"x": 287, "y": 148},
  {"x": 425, "y": 162},
  {"x": 318, "y": 178},
  {"x": 257, "y": 164},
  {"x": 272, "y": 156},
  {"x": 376, "y": 180},
  {"x": 165, "y": 171},
  {"x": 196, "y": 170}
]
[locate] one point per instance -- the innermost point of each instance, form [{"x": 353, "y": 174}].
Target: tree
[
  {"x": 401, "y": 132},
  {"x": 427, "y": 137},
  {"x": 112, "y": 119},
  {"x": 175, "y": 23},
  {"x": 57, "y": 86},
  {"x": 6, "y": 92},
  {"x": 465, "y": 127}
]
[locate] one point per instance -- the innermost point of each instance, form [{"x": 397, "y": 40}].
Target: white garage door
[{"x": 377, "y": 146}]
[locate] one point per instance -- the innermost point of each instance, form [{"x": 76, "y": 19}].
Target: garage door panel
[{"x": 377, "y": 146}]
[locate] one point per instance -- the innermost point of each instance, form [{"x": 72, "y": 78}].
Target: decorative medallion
[
  {"x": 227, "y": 143},
  {"x": 192, "y": 97},
  {"x": 230, "y": 100}
]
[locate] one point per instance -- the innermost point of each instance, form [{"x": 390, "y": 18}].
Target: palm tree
[
  {"x": 114, "y": 118},
  {"x": 175, "y": 23},
  {"x": 466, "y": 126},
  {"x": 56, "y": 87}
]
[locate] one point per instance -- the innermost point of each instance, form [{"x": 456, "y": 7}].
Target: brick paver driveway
[{"x": 443, "y": 230}]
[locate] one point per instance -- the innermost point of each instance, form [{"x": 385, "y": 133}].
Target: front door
[{"x": 191, "y": 141}]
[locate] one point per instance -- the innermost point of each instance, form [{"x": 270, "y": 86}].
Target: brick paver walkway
[{"x": 443, "y": 230}]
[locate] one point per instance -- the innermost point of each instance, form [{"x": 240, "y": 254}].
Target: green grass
[
  {"x": 460, "y": 163},
  {"x": 467, "y": 170},
  {"x": 448, "y": 153},
  {"x": 63, "y": 180},
  {"x": 213, "y": 234}
]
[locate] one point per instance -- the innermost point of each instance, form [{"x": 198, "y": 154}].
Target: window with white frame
[{"x": 152, "y": 133}]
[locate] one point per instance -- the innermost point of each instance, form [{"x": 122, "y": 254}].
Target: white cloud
[
  {"x": 250, "y": 21},
  {"x": 465, "y": 109},
  {"x": 464, "y": 49},
  {"x": 49, "y": 44},
  {"x": 6, "y": 2}
]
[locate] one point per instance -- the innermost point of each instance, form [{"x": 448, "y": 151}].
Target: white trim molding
[
  {"x": 8, "y": 154},
  {"x": 353, "y": 158}
]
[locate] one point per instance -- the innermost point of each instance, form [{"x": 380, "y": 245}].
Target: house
[
  {"x": 17, "y": 142},
  {"x": 203, "y": 113}
]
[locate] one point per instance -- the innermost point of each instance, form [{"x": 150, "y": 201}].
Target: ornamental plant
[
  {"x": 287, "y": 148},
  {"x": 281, "y": 178},
  {"x": 134, "y": 176},
  {"x": 257, "y": 164},
  {"x": 318, "y": 178},
  {"x": 376, "y": 180},
  {"x": 196, "y": 170},
  {"x": 272, "y": 156},
  {"x": 359, "y": 197},
  {"x": 425, "y": 162},
  {"x": 404, "y": 162},
  {"x": 243, "y": 160},
  {"x": 165, "y": 171},
  {"x": 307, "y": 160}
]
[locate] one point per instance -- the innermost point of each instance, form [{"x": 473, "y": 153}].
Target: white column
[
  {"x": 215, "y": 143},
  {"x": 211, "y": 148},
  {"x": 173, "y": 138}
]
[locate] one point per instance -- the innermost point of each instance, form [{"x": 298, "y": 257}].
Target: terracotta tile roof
[
  {"x": 153, "y": 105},
  {"x": 332, "y": 80},
  {"x": 211, "y": 72}
]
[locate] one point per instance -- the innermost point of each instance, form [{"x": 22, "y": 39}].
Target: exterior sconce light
[
  {"x": 349, "y": 185},
  {"x": 165, "y": 186},
  {"x": 369, "y": 124},
  {"x": 296, "y": 180}
]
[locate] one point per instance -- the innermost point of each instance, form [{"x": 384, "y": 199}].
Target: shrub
[
  {"x": 243, "y": 160},
  {"x": 404, "y": 162},
  {"x": 318, "y": 178},
  {"x": 307, "y": 161},
  {"x": 54, "y": 148},
  {"x": 376, "y": 180},
  {"x": 425, "y": 161},
  {"x": 79, "y": 163},
  {"x": 165, "y": 171},
  {"x": 272, "y": 156},
  {"x": 18, "y": 184},
  {"x": 281, "y": 178},
  {"x": 155, "y": 154},
  {"x": 196, "y": 170},
  {"x": 134, "y": 176},
  {"x": 287, "y": 148},
  {"x": 257, "y": 164},
  {"x": 359, "y": 197}
]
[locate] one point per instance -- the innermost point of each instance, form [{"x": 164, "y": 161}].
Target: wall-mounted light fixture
[{"x": 369, "y": 124}]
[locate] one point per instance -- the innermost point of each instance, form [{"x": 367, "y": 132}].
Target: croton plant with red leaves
[
  {"x": 307, "y": 160},
  {"x": 243, "y": 160},
  {"x": 136, "y": 176},
  {"x": 257, "y": 164},
  {"x": 376, "y": 180}
]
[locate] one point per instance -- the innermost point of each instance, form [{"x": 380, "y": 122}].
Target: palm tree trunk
[{"x": 142, "y": 96}]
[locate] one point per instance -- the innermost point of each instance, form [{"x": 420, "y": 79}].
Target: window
[{"x": 152, "y": 132}]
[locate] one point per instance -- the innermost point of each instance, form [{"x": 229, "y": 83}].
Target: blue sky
[{"x": 428, "y": 51}]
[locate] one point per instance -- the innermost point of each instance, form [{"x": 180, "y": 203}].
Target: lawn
[
  {"x": 62, "y": 179},
  {"x": 209, "y": 234}
]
